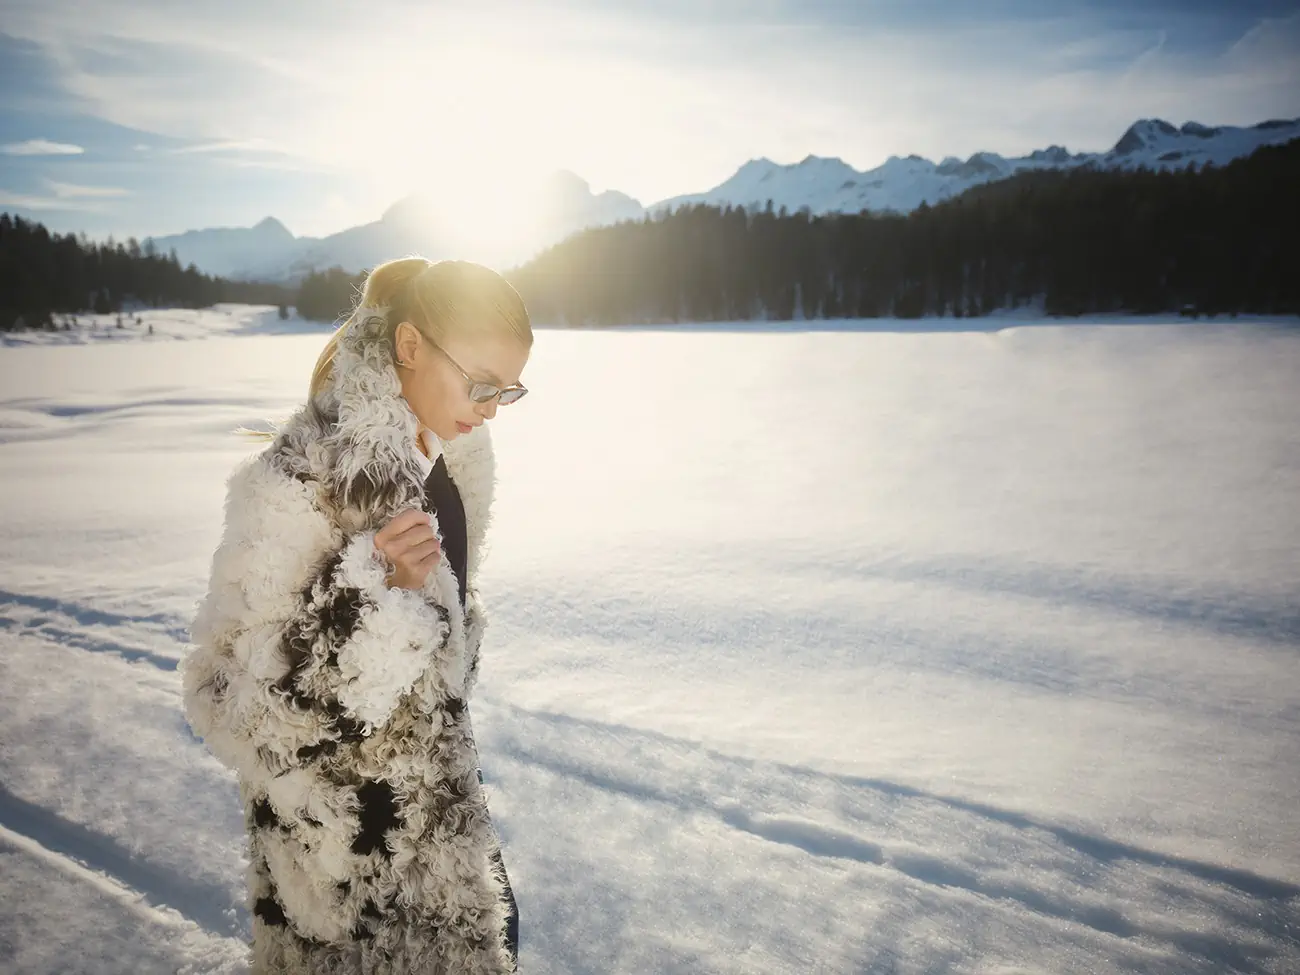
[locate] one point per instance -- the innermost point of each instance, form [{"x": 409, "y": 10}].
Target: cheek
[
  {"x": 450, "y": 402},
  {"x": 426, "y": 400},
  {"x": 443, "y": 403}
]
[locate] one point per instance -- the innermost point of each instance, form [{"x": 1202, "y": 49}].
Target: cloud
[
  {"x": 25, "y": 201},
  {"x": 66, "y": 197},
  {"x": 246, "y": 154},
  {"x": 41, "y": 147},
  {"x": 225, "y": 145},
  {"x": 74, "y": 191}
]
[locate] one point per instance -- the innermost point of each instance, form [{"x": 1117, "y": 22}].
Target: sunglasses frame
[{"x": 478, "y": 385}]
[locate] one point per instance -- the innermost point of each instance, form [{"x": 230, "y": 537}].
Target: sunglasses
[{"x": 481, "y": 392}]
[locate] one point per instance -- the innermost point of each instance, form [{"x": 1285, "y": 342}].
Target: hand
[{"x": 408, "y": 542}]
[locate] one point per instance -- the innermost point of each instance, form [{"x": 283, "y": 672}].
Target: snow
[
  {"x": 171, "y": 324},
  {"x": 813, "y": 648}
]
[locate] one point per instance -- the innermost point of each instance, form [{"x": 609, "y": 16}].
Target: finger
[
  {"x": 412, "y": 538},
  {"x": 400, "y": 523},
  {"x": 413, "y": 555},
  {"x": 401, "y": 541},
  {"x": 430, "y": 550}
]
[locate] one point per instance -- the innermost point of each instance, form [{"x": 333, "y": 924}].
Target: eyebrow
[
  {"x": 475, "y": 372},
  {"x": 495, "y": 379}
]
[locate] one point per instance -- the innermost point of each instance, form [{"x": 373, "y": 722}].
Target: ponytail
[
  {"x": 385, "y": 287},
  {"x": 436, "y": 297}
]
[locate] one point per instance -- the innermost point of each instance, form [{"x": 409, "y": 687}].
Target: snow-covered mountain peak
[
  {"x": 1144, "y": 134},
  {"x": 905, "y": 164},
  {"x": 979, "y": 164},
  {"x": 1053, "y": 155},
  {"x": 757, "y": 167},
  {"x": 902, "y": 183},
  {"x": 823, "y": 164}
]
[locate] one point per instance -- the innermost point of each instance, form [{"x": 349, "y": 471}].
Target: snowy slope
[
  {"x": 838, "y": 651},
  {"x": 902, "y": 184},
  {"x": 167, "y": 325}
]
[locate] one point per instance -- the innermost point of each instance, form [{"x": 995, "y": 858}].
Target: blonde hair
[{"x": 443, "y": 299}]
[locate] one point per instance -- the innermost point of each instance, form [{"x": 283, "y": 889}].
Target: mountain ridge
[
  {"x": 902, "y": 183},
  {"x": 563, "y": 203}
]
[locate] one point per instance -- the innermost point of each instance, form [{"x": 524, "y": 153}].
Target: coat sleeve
[{"x": 299, "y": 644}]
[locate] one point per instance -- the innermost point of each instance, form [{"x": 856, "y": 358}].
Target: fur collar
[{"x": 357, "y": 438}]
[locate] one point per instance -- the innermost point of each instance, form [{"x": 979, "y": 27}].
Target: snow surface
[{"x": 812, "y": 649}]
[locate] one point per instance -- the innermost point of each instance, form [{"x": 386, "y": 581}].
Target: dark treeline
[
  {"x": 1213, "y": 241},
  {"x": 327, "y": 296},
  {"x": 1217, "y": 240},
  {"x": 42, "y": 274}
]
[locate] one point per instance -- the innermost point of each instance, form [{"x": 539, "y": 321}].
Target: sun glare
[
  {"x": 477, "y": 122},
  {"x": 456, "y": 144},
  {"x": 476, "y": 208}
]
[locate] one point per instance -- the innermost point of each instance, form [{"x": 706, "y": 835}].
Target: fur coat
[{"x": 341, "y": 702}]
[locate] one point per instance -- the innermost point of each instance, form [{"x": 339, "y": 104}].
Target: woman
[{"x": 338, "y": 643}]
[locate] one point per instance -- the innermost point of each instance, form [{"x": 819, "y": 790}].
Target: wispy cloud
[
  {"x": 66, "y": 197},
  {"x": 75, "y": 191},
  {"x": 41, "y": 147},
  {"x": 26, "y": 201},
  {"x": 224, "y": 145},
  {"x": 246, "y": 154}
]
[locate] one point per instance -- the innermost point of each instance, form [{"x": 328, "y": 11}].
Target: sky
[{"x": 150, "y": 118}]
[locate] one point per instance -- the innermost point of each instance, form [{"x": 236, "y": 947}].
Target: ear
[{"x": 406, "y": 339}]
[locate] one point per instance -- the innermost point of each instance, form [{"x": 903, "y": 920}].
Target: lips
[{"x": 463, "y": 427}]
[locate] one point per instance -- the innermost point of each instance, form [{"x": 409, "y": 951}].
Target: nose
[{"x": 489, "y": 409}]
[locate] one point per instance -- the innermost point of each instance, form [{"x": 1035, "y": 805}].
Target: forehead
[{"x": 497, "y": 358}]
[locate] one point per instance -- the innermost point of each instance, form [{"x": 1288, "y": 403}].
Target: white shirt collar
[{"x": 434, "y": 446}]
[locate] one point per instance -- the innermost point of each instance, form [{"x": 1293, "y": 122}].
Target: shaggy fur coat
[{"x": 341, "y": 702}]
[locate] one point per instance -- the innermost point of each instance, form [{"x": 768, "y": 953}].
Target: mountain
[
  {"x": 568, "y": 205},
  {"x": 507, "y": 225},
  {"x": 407, "y": 227},
  {"x": 506, "y": 228},
  {"x": 232, "y": 252},
  {"x": 902, "y": 184}
]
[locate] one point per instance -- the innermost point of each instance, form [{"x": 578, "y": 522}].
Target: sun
[
  {"x": 478, "y": 181},
  {"x": 475, "y": 128},
  {"x": 475, "y": 210}
]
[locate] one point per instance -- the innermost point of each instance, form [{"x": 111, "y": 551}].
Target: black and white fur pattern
[{"x": 341, "y": 702}]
